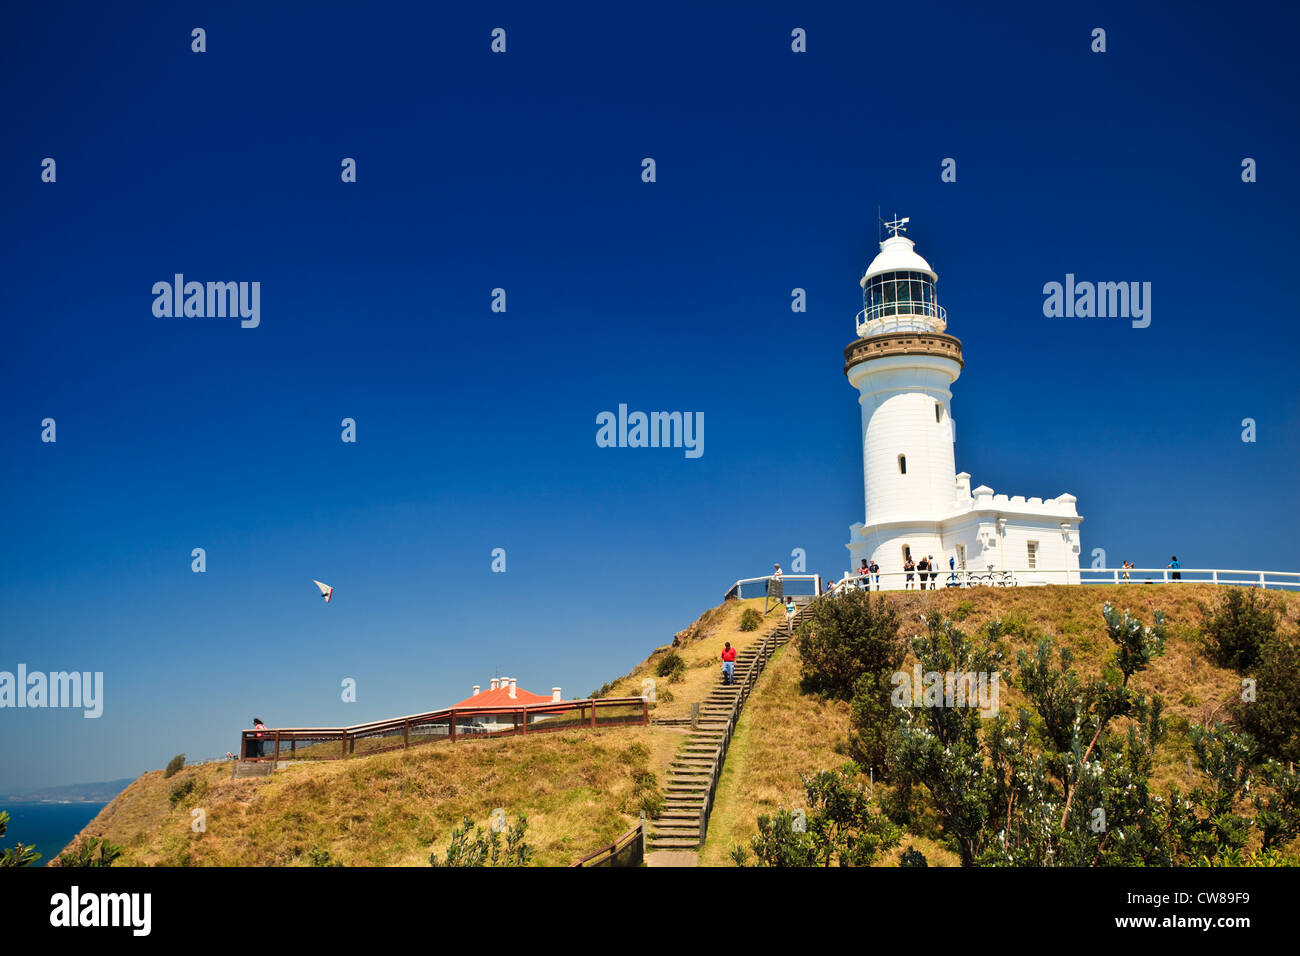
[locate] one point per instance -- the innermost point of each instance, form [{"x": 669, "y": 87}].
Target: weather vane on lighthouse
[{"x": 898, "y": 225}]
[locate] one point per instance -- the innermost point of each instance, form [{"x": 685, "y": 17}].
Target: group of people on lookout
[{"x": 923, "y": 573}]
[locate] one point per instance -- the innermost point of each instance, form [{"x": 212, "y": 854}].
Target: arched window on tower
[{"x": 902, "y": 464}]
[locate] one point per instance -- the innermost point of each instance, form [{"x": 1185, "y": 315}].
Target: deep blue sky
[{"x": 477, "y": 429}]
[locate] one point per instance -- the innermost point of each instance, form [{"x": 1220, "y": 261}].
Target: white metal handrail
[
  {"x": 875, "y": 321},
  {"x": 944, "y": 578},
  {"x": 815, "y": 580}
]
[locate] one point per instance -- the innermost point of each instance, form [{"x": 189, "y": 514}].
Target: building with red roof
[{"x": 502, "y": 692}]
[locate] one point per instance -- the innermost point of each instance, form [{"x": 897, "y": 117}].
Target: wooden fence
[
  {"x": 473, "y": 723},
  {"x": 627, "y": 850}
]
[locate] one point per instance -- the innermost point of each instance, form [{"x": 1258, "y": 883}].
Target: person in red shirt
[{"x": 728, "y": 664}]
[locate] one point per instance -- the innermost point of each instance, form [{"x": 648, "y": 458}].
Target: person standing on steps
[
  {"x": 789, "y": 614},
  {"x": 728, "y": 664}
]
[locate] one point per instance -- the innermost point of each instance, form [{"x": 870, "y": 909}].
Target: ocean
[{"x": 47, "y": 826}]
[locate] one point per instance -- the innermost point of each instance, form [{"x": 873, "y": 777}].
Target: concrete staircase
[
  {"x": 249, "y": 768},
  {"x": 693, "y": 776}
]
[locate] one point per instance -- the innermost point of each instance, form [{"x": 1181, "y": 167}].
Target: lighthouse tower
[{"x": 903, "y": 365}]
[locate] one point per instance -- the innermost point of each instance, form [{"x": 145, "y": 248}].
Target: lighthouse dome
[{"x": 897, "y": 255}]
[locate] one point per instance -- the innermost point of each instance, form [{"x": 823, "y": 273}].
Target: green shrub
[
  {"x": 962, "y": 611},
  {"x": 472, "y": 846},
  {"x": 672, "y": 666},
  {"x": 1237, "y": 628},
  {"x": 318, "y": 857},
  {"x": 750, "y": 619},
  {"x": 912, "y": 857},
  {"x": 182, "y": 790},
  {"x": 18, "y": 855},
  {"x": 174, "y": 766},
  {"x": 1273, "y": 716},
  {"x": 89, "y": 851},
  {"x": 646, "y": 795},
  {"x": 847, "y": 638},
  {"x": 839, "y": 827}
]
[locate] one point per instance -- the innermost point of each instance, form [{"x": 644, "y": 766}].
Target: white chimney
[
  {"x": 555, "y": 694},
  {"x": 493, "y": 685},
  {"x": 476, "y": 690},
  {"x": 512, "y": 687}
]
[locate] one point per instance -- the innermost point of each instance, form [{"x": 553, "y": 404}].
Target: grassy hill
[
  {"x": 576, "y": 787},
  {"x": 392, "y": 809},
  {"x": 783, "y": 733}
]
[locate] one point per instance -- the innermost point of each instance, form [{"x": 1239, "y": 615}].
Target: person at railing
[
  {"x": 952, "y": 571},
  {"x": 728, "y": 664},
  {"x": 1126, "y": 565},
  {"x": 1173, "y": 563},
  {"x": 934, "y": 573},
  {"x": 863, "y": 569},
  {"x": 923, "y": 570},
  {"x": 256, "y": 747},
  {"x": 776, "y": 573},
  {"x": 909, "y": 566},
  {"x": 874, "y": 570}
]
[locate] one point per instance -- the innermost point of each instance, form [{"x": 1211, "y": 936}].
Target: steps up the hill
[
  {"x": 683, "y": 822},
  {"x": 249, "y": 768}
]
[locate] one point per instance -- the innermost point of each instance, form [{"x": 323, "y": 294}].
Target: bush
[
  {"x": 182, "y": 790},
  {"x": 671, "y": 666},
  {"x": 750, "y": 619},
  {"x": 472, "y": 846},
  {"x": 912, "y": 857},
  {"x": 318, "y": 857},
  {"x": 1237, "y": 628},
  {"x": 646, "y": 795},
  {"x": 1273, "y": 717},
  {"x": 18, "y": 855},
  {"x": 174, "y": 766},
  {"x": 839, "y": 827},
  {"x": 847, "y": 638},
  {"x": 89, "y": 851},
  {"x": 874, "y": 723}
]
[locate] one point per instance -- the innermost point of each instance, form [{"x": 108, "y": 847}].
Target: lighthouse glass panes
[{"x": 900, "y": 293}]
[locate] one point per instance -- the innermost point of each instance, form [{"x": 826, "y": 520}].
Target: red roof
[{"x": 501, "y": 698}]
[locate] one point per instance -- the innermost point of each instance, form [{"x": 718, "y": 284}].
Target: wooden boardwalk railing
[
  {"x": 627, "y": 850},
  {"x": 333, "y": 743}
]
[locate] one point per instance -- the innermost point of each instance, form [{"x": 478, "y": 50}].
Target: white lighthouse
[{"x": 903, "y": 365}]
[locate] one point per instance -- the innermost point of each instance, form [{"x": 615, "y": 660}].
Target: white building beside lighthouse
[{"x": 903, "y": 365}]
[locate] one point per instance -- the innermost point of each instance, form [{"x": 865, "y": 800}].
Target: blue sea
[{"x": 47, "y": 826}]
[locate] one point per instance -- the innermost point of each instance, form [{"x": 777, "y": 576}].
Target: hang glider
[{"x": 326, "y": 591}]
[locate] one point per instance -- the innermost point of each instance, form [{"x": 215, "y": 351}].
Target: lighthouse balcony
[{"x": 890, "y": 317}]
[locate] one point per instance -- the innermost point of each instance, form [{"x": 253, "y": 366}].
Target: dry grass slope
[{"x": 392, "y": 809}]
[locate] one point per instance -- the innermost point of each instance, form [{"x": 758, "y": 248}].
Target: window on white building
[
  {"x": 938, "y": 411},
  {"x": 907, "y": 552},
  {"x": 902, "y": 464},
  {"x": 1033, "y": 554},
  {"x": 961, "y": 556}
]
